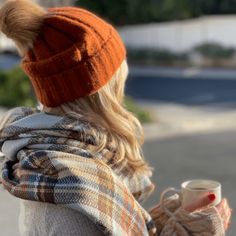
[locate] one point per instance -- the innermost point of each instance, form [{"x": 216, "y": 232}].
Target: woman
[{"x": 76, "y": 162}]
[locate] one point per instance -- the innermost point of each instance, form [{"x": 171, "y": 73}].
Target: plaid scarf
[{"x": 58, "y": 166}]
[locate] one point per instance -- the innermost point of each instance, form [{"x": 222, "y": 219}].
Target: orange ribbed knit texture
[{"x": 75, "y": 54}]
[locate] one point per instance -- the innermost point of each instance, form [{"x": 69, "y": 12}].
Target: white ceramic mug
[{"x": 193, "y": 190}]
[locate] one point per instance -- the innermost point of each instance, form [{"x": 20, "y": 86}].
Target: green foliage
[
  {"x": 119, "y": 12},
  {"x": 143, "y": 115},
  {"x": 165, "y": 57},
  {"x": 215, "y": 51},
  {"x": 155, "y": 56},
  {"x": 15, "y": 89},
  {"x": 122, "y": 12}
]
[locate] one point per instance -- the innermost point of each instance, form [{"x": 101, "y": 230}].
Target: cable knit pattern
[
  {"x": 205, "y": 222},
  {"x": 158, "y": 214}
]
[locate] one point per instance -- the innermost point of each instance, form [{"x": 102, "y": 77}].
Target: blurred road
[
  {"x": 7, "y": 61},
  {"x": 208, "y": 156},
  {"x": 192, "y": 87},
  {"x": 193, "y": 136}
]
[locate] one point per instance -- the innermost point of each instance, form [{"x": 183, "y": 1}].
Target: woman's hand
[
  {"x": 223, "y": 208},
  {"x": 201, "y": 203},
  {"x": 225, "y": 212}
]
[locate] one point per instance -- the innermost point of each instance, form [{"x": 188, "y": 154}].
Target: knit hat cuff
[{"x": 69, "y": 73}]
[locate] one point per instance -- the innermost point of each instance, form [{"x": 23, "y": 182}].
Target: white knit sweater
[{"x": 45, "y": 219}]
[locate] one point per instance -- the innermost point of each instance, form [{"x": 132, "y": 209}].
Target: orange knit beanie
[{"x": 69, "y": 52}]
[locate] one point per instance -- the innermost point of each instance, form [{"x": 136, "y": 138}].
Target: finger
[
  {"x": 202, "y": 202},
  {"x": 225, "y": 212}
]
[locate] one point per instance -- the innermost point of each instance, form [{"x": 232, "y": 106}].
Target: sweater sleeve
[
  {"x": 206, "y": 221},
  {"x": 45, "y": 219}
]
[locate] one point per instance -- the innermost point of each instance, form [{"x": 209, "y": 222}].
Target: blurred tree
[
  {"x": 120, "y": 11},
  {"x": 172, "y": 9},
  {"x": 141, "y": 11},
  {"x": 15, "y": 89}
]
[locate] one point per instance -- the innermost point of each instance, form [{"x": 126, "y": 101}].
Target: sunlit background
[{"x": 182, "y": 87}]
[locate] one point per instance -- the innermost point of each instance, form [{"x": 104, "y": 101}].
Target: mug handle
[{"x": 163, "y": 194}]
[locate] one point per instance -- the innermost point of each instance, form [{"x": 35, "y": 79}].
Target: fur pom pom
[{"x": 21, "y": 20}]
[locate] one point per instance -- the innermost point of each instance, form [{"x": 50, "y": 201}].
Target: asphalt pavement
[
  {"x": 194, "y": 156},
  {"x": 191, "y": 87}
]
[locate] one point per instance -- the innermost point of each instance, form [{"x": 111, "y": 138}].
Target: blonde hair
[{"x": 104, "y": 110}]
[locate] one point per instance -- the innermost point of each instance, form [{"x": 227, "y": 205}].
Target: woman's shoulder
[
  {"x": 15, "y": 114},
  {"x": 39, "y": 218}
]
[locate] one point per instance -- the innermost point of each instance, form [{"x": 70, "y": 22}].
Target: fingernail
[{"x": 212, "y": 197}]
